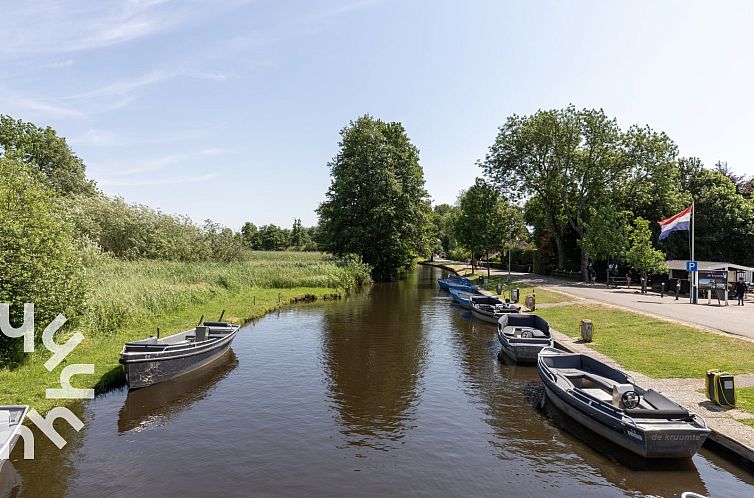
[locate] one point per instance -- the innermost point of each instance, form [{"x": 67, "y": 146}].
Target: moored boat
[
  {"x": 462, "y": 286},
  {"x": 11, "y": 420},
  {"x": 154, "y": 360},
  {"x": 462, "y": 297},
  {"x": 452, "y": 278},
  {"x": 523, "y": 336},
  {"x": 490, "y": 308},
  {"x": 610, "y": 403}
]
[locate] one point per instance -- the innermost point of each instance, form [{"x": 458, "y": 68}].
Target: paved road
[{"x": 732, "y": 319}]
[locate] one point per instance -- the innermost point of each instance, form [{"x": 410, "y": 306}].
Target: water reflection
[
  {"x": 512, "y": 396},
  {"x": 154, "y": 406},
  {"x": 374, "y": 352},
  {"x": 11, "y": 484}
]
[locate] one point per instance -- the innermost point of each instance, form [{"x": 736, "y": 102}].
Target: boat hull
[
  {"x": 146, "y": 371},
  {"x": 665, "y": 443},
  {"x": 521, "y": 353},
  {"x": 10, "y": 429}
]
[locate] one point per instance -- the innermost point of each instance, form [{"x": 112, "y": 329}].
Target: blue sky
[{"x": 231, "y": 109}]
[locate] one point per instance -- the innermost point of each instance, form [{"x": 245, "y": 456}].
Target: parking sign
[{"x": 692, "y": 265}]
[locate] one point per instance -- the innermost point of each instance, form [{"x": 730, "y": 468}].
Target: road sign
[{"x": 692, "y": 265}]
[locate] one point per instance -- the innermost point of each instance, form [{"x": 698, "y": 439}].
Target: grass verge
[
  {"x": 745, "y": 401},
  {"x": 654, "y": 347},
  {"x": 129, "y": 300}
]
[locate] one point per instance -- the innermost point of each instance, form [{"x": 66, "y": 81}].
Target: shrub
[{"x": 38, "y": 258}]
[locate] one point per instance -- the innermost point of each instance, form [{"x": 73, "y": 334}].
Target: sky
[{"x": 230, "y": 110}]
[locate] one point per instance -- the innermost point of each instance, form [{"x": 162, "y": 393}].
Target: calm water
[{"x": 395, "y": 392}]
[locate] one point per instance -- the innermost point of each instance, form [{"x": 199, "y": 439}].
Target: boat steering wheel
[
  {"x": 527, "y": 334},
  {"x": 630, "y": 400}
]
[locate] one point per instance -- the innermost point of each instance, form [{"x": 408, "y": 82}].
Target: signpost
[{"x": 692, "y": 267}]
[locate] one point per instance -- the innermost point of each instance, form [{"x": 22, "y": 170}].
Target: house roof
[{"x": 680, "y": 264}]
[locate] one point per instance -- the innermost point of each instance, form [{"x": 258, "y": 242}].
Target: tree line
[{"x": 571, "y": 184}]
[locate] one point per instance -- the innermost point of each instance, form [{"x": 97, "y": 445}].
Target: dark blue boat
[{"x": 444, "y": 283}]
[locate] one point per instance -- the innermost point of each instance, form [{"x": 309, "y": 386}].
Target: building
[{"x": 677, "y": 271}]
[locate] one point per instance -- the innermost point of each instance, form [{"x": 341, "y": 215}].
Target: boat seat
[
  {"x": 573, "y": 373},
  {"x": 517, "y": 331}
]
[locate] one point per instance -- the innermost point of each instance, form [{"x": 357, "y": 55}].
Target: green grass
[
  {"x": 654, "y": 347},
  {"x": 129, "y": 300},
  {"x": 745, "y": 401}
]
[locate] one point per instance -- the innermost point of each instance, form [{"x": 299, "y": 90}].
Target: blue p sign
[{"x": 691, "y": 266}]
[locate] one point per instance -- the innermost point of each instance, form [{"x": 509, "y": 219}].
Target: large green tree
[
  {"x": 45, "y": 151},
  {"x": 485, "y": 222},
  {"x": 576, "y": 161},
  {"x": 376, "y": 206},
  {"x": 724, "y": 217}
]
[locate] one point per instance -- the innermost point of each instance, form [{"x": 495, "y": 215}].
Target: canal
[{"x": 394, "y": 392}]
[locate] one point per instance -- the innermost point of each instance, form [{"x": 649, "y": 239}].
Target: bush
[
  {"x": 133, "y": 232},
  {"x": 38, "y": 258},
  {"x": 459, "y": 254}
]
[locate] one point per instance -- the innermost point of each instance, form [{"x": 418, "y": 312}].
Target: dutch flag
[{"x": 680, "y": 221}]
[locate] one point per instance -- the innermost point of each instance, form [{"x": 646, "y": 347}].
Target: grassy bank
[
  {"x": 654, "y": 347},
  {"x": 129, "y": 300}
]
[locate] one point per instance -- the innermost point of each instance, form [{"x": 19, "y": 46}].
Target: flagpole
[{"x": 694, "y": 278}]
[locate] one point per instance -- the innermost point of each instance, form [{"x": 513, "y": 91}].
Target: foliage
[
  {"x": 37, "y": 253},
  {"x": 641, "y": 255},
  {"x": 479, "y": 226},
  {"x": 724, "y": 218},
  {"x": 459, "y": 254},
  {"x": 49, "y": 154},
  {"x": 376, "y": 205},
  {"x": 125, "y": 292},
  {"x": 575, "y": 161},
  {"x": 444, "y": 228},
  {"x": 132, "y": 231},
  {"x": 272, "y": 238},
  {"x": 606, "y": 235}
]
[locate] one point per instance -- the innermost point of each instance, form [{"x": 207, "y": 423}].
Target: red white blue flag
[{"x": 680, "y": 221}]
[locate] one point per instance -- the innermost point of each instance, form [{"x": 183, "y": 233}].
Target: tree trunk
[
  {"x": 472, "y": 262},
  {"x": 585, "y": 265},
  {"x": 558, "y": 239},
  {"x": 488, "y": 266},
  {"x": 561, "y": 250}
]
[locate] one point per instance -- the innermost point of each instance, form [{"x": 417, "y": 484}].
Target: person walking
[
  {"x": 593, "y": 275},
  {"x": 740, "y": 290}
]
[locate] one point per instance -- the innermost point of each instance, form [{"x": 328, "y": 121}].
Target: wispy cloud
[
  {"x": 106, "y": 138},
  {"x": 57, "y": 27},
  {"x": 60, "y": 64},
  {"x": 171, "y": 180},
  {"x": 52, "y": 26},
  {"x": 13, "y": 103},
  {"x": 113, "y": 171},
  {"x": 126, "y": 86}
]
